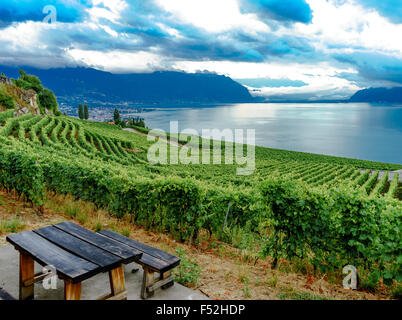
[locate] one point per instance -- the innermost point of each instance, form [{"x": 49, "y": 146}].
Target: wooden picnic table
[{"x": 77, "y": 254}]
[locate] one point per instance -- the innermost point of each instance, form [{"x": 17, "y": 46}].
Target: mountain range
[
  {"x": 378, "y": 95},
  {"x": 77, "y": 85},
  {"x": 87, "y": 84}
]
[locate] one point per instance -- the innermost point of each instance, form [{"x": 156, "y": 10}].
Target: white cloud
[
  {"x": 170, "y": 31},
  {"x": 320, "y": 77},
  {"x": 113, "y": 11},
  {"x": 342, "y": 27},
  {"x": 119, "y": 61},
  {"x": 23, "y": 36},
  {"x": 213, "y": 15}
]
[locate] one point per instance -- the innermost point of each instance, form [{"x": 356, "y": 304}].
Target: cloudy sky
[{"x": 316, "y": 49}]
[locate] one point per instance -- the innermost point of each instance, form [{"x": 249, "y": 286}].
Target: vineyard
[
  {"x": 65, "y": 136},
  {"x": 342, "y": 210}
]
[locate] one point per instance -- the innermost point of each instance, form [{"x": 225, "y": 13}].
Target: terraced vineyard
[
  {"x": 65, "y": 137},
  {"x": 293, "y": 201}
]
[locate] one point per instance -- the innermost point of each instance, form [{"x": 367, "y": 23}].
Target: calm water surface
[{"x": 354, "y": 130}]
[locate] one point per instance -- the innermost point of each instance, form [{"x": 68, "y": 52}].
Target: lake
[{"x": 353, "y": 130}]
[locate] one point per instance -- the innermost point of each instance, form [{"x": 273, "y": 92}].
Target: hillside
[
  {"x": 308, "y": 198},
  {"x": 26, "y": 95},
  {"x": 291, "y": 200},
  {"x": 81, "y": 84},
  {"x": 378, "y": 95},
  {"x": 16, "y": 99}
]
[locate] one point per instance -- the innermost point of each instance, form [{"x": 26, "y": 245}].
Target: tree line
[{"x": 134, "y": 122}]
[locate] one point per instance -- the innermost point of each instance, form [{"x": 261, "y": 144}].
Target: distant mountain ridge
[
  {"x": 157, "y": 87},
  {"x": 392, "y": 95}
]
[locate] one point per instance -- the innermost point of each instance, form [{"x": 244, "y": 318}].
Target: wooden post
[
  {"x": 72, "y": 291},
  {"x": 27, "y": 272},
  {"x": 117, "y": 282},
  {"x": 147, "y": 281}
]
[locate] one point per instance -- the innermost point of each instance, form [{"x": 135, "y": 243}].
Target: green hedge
[
  {"x": 177, "y": 205},
  {"x": 334, "y": 227},
  {"x": 21, "y": 173},
  {"x": 329, "y": 227}
]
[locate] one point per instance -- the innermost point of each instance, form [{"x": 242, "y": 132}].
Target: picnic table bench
[
  {"x": 153, "y": 261},
  {"x": 77, "y": 254}
]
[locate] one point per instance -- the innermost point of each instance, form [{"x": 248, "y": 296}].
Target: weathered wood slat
[
  {"x": 46, "y": 253},
  {"x": 38, "y": 277},
  {"x": 79, "y": 247},
  {"x": 157, "y": 253},
  {"x": 120, "y": 296},
  {"x": 161, "y": 283},
  {"x": 127, "y": 253},
  {"x": 154, "y": 263},
  {"x": 157, "y": 259},
  {"x": 109, "y": 296}
]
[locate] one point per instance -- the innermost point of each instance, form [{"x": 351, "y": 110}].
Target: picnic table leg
[
  {"x": 27, "y": 272},
  {"x": 147, "y": 281},
  {"x": 166, "y": 275},
  {"x": 117, "y": 284},
  {"x": 72, "y": 291}
]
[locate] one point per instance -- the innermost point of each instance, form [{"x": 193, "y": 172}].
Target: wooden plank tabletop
[
  {"x": 44, "y": 252},
  {"x": 126, "y": 253},
  {"x": 80, "y": 248},
  {"x": 75, "y": 252}
]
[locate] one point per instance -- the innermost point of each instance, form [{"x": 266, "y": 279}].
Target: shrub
[
  {"x": 333, "y": 228},
  {"x": 21, "y": 173},
  {"x": 6, "y": 101},
  {"x": 27, "y": 82},
  {"x": 301, "y": 220},
  {"x": 48, "y": 100}
]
